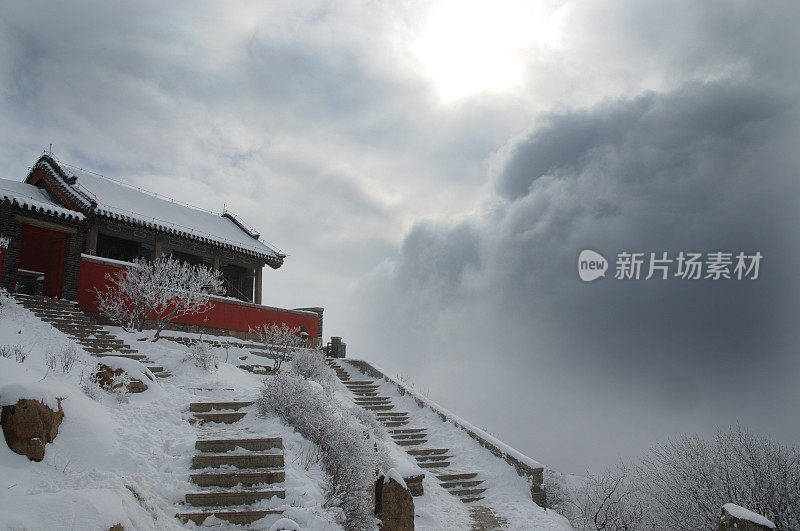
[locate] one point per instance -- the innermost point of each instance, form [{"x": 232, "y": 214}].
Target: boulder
[
  {"x": 738, "y": 518},
  {"x": 114, "y": 379},
  {"x": 28, "y": 425},
  {"x": 394, "y": 505}
]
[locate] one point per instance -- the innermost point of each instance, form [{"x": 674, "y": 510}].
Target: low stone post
[{"x": 393, "y": 503}]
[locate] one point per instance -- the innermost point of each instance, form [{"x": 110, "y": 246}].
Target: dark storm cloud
[{"x": 704, "y": 168}]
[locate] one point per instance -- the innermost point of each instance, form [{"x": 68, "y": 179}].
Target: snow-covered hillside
[{"x": 127, "y": 459}]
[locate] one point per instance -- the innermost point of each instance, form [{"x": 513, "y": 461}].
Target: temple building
[{"x": 63, "y": 223}]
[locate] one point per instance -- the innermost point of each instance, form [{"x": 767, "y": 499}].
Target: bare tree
[
  {"x": 689, "y": 479},
  {"x": 683, "y": 483},
  {"x": 161, "y": 291},
  {"x": 608, "y": 501},
  {"x": 279, "y": 342}
]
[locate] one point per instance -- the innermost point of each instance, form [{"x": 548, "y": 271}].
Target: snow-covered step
[
  {"x": 223, "y": 417},
  {"x": 433, "y": 458},
  {"x": 100, "y": 339},
  {"x": 378, "y": 407},
  {"x": 371, "y": 400},
  {"x": 245, "y": 478},
  {"x": 456, "y": 476},
  {"x": 408, "y": 436},
  {"x": 262, "y": 370},
  {"x": 229, "y": 498},
  {"x": 434, "y": 464},
  {"x": 406, "y": 430},
  {"x": 233, "y": 517},
  {"x": 238, "y": 460},
  {"x": 394, "y": 423},
  {"x": 129, "y": 355},
  {"x": 365, "y": 393},
  {"x": 218, "y": 406},
  {"x": 229, "y": 445},
  {"x": 411, "y": 442},
  {"x": 461, "y": 483},
  {"x": 263, "y": 354},
  {"x": 127, "y": 351},
  {"x": 427, "y": 451},
  {"x": 391, "y": 414}
]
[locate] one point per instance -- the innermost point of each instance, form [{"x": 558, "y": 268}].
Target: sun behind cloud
[{"x": 472, "y": 46}]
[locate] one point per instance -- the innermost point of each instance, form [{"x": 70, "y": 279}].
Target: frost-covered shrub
[
  {"x": 688, "y": 479},
  {"x": 5, "y": 299},
  {"x": 95, "y": 388},
  {"x": 91, "y": 385},
  {"x": 348, "y": 455},
  {"x": 17, "y": 352},
  {"x": 279, "y": 341},
  {"x": 51, "y": 361},
  {"x": 683, "y": 484},
  {"x": 67, "y": 358},
  {"x": 4, "y": 243},
  {"x": 311, "y": 364},
  {"x": 368, "y": 419},
  {"x": 64, "y": 360},
  {"x": 202, "y": 355},
  {"x": 120, "y": 387}
]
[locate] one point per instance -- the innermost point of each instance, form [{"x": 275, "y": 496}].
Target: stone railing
[{"x": 524, "y": 465}]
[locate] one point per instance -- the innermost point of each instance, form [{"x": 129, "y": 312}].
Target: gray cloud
[{"x": 693, "y": 170}]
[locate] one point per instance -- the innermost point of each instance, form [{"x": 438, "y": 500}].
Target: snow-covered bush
[
  {"x": 91, "y": 385},
  {"x": 348, "y": 455},
  {"x": 202, "y": 355},
  {"x": 689, "y": 479},
  {"x": 280, "y": 342},
  {"x": 161, "y": 290},
  {"x": 310, "y": 363},
  {"x": 67, "y": 358},
  {"x": 606, "y": 501},
  {"x": 683, "y": 484},
  {"x": 64, "y": 360},
  {"x": 5, "y": 299},
  {"x": 4, "y": 243},
  {"x": 17, "y": 352}
]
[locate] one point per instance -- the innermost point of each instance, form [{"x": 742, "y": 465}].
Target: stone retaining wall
[{"x": 534, "y": 475}]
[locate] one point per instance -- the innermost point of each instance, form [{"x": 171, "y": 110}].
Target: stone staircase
[
  {"x": 232, "y": 471},
  {"x": 66, "y": 317},
  {"x": 464, "y": 485},
  {"x": 256, "y": 349}
]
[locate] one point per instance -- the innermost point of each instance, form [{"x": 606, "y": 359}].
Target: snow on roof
[
  {"x": 120, "y": 201},
  {"x": 28, "y": 196}
]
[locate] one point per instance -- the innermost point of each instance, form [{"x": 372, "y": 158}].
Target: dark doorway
[
  {"x": 238, "y": 282},
  {"x": 118, "y": 248},
  {"x": 40, "y": 265}
]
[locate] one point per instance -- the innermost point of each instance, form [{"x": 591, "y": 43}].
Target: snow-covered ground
[{"x": 128, "y": 460}]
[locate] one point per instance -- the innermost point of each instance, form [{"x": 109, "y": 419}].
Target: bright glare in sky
[{"x": 471, "y": 46}]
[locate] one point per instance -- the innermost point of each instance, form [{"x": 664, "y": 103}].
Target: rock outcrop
[
  {"x": 114, "y": 379},
  {"x": 28, "y": 425}
]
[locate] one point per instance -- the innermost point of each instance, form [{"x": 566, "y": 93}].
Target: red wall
[{"x": 227, "y": 315}]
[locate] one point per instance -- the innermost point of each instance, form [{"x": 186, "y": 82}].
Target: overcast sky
[{"x": 433, "y": 169}]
